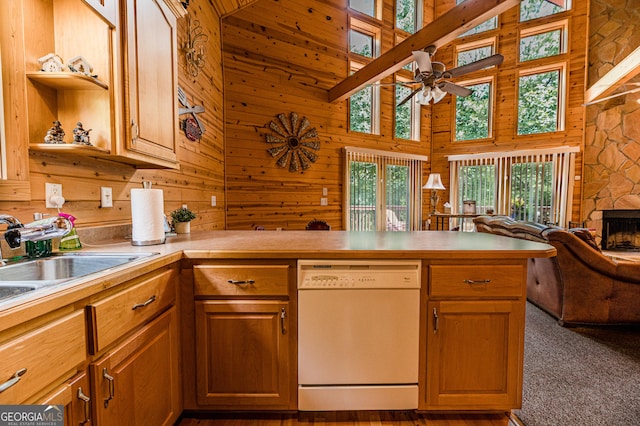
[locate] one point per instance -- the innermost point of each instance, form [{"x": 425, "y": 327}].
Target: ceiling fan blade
[
  {"x": 455, "y": 89},
  {"x": 411, "y": 95},
  {"x": 423, "y": 59},
  {"x": 475, "y": 66}
]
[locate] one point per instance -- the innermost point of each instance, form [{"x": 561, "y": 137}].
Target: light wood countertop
[{"x": 269, "y": 245}]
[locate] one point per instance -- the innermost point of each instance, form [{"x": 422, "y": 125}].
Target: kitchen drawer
[
  {"x": 113, "y": 317},
  {"x": 476, "y": 281},
  {"x": 241, "y": 280},
  {"x": 48, "y": 354}
]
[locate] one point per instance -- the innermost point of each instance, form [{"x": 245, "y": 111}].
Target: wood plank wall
[
  {"x": 201, "y": 173},
  {"x": 282, "y": 58}
]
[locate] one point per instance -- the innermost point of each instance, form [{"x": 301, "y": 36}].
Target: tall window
[
  {"x": 383, "y": 190},
  {"x": 473, "y": 113},
  {"x": 407, "y": 120},
  {"x": 540, "y": 104},
  {"x": 408, "y": 15},
  {"x": 534, "y": 185}
]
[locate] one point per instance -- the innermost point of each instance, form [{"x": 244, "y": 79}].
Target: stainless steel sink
[{"x": 27, "y": 275}]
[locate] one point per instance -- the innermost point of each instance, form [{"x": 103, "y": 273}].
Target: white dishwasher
[{"x": 358, "y": 324}]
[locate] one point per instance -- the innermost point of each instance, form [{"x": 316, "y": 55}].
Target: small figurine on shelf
[
  {"x": 55, "y": 134},
  {"x": 80, "y": 135}
]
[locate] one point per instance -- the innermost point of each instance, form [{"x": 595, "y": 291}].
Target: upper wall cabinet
[
  {"x": 126, "y": 95},
  {"x": 149, "y": 43}
]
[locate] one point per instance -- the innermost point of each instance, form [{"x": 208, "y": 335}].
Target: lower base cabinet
[
  {"x": 75, "y": 396},
  {"x": 137, "y": 383},
  {"x": 474, "y": 355},
  {"x": 242, "y": 353}
]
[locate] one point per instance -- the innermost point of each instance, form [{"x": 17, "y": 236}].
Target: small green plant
[{"x": 182, "y": 214}]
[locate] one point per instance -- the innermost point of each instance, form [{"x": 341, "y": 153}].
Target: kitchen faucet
[{"x": 39, "y": 230}]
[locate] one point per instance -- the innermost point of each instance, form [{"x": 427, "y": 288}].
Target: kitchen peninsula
[{"x": 214, "y": 324}]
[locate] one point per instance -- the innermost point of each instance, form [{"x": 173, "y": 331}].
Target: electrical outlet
[
  {"x": 106, "y": 197},
  {"x": 53, "y": 195},
  {"x": 324, "y": 201},
  {"x": 213, "y": 201}
]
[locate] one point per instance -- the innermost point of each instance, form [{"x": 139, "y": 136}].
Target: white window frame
[
  {"x": 562, "y": 25},
  {"x": 492, "y": 95}
]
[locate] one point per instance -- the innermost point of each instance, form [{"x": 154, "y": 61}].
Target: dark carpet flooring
[{"x": 584, "y": 376}]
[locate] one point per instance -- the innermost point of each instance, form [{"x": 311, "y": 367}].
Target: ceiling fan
[{"x": 433, "y": 76}]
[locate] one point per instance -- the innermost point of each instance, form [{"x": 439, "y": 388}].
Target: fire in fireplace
[{"x": 621, "y": 230}]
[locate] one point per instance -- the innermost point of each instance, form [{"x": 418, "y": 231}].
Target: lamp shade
[{"x": 434, "y": 182}]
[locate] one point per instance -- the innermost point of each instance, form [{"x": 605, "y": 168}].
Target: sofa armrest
[{"x": 592, "y": 258}]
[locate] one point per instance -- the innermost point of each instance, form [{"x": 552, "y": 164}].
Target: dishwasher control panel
[{"x": 345, "y": 274}]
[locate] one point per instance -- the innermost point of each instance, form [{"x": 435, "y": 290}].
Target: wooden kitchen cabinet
[
  {"x": 75, "y": 396},
  {"x": 243, "y": 353},
  {"x": 474, "y": 337},
  {"x": 149, "y": 47},
  {"x": 244, "y": 336},
  {"x": 138, "y": 382},
  {"x": 129, "y": 101},
  {"x": 43, "y": 358}
]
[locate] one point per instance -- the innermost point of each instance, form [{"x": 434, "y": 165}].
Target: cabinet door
[
  {"x": 242, "y": 351},
  {"x": 74, "y": 396},
  {"x": 139, "y": 381},
  {"x": 474, "y": 355},
  {"x": 151, "y": 112}
]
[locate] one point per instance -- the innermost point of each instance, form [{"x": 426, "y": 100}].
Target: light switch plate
[{"x": 106, "y": 197}]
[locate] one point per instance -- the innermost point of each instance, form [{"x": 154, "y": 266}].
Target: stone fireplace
[{"x": 621, "y": 230}]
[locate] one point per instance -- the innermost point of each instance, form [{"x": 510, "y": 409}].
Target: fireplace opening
[{"x": 621, "y": 230}]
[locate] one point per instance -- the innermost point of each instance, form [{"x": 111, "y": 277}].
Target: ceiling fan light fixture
[
  {"x": 425, "y": 96},
  {"x": 437, "y": 94}
]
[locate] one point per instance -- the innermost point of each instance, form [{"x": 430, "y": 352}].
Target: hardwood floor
[{"x": 343, "y": 418}]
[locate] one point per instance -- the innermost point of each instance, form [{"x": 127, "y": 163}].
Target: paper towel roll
[{"x": 147, "y": 217}]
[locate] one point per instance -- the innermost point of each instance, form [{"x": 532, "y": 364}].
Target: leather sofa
[{"x": 580, "y": 285}]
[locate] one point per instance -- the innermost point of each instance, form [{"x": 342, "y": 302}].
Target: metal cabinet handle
[
  {"x": 283, "y": 315},
  {"x": 435, "y": 320},
  {"x": 86, "y": 401},
  {"x": 112, "y": 386},
  {"x": 13, "y": 380},
  {"x": 239, "y": 282},
  {"x": 476, "y": 282},
  {"x": 142, "y": 305},
  {"x": 136, "y": 134}
]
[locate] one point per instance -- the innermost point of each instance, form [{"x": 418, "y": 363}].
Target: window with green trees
[
  {"x": 538, "y": 102},
  {"x": 407, "y": 15},
  {"x": 473, "y": 113},
  {"x": 488, "y": 25},
  {"x": 361, "y": 111},
  {"x": 541, "y": 45},
  {"x": 361, "y": 43},
  {"x": 534, "y": 9}
]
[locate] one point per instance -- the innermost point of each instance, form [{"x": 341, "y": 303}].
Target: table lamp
[{"x": 434, "y": 183}]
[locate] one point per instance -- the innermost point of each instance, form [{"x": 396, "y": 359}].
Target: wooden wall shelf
[
  {"x": 67, "y": 80},
  {"x": 69, "y": 148}
]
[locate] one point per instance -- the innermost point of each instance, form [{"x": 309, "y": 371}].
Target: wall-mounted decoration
[
  {"x": 192, "y": 126},
  {"x": 294, "y": 142},
  {"x": 194, "y": 48}
]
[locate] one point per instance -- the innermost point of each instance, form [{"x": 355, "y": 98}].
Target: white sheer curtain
[
  {"x": 383, "y": 190},
  {"x": 532, "y": 185}
]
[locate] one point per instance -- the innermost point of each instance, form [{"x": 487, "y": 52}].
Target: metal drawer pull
[
  {"x": 13, "y": 380},
  {"x": 86, "y": 406},
  {"x": 112, "y": 386},
  {"x": 435, "y": 320},
  {"x": 239, "y": 282},
  {"x": 472, "y": 282},
  {"x": 142, "y": 305}
]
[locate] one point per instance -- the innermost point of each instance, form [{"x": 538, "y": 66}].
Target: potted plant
[{"x": 182, "y": 218}]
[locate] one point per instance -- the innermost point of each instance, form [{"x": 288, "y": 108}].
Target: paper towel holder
[{"x": 146, "y": 185}]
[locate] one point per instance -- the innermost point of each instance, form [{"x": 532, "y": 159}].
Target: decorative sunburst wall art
[{"x": 293, "y": 141}]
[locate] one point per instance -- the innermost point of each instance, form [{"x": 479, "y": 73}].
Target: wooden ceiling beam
[
  {"x": 626, "y": 69},
  {"x": 441, "y": 31}
]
